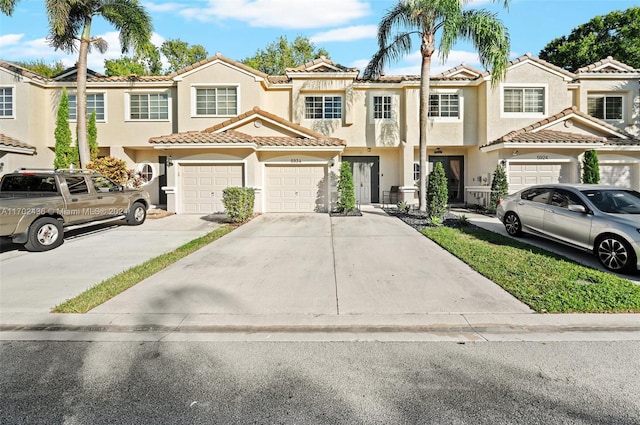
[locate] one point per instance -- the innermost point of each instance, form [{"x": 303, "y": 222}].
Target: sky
[{"x": 347, "y": 29}]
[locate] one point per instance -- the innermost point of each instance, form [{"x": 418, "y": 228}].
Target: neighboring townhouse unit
[{"x": 219, "y": 123}]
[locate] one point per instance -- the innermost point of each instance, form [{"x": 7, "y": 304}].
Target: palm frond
[
  {"x": 490, "y": 38},
  {"x": 130, "y": 19}
]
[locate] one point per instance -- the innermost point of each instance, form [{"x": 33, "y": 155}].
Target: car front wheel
[
  {"x": 615, "y": 254},
  {"x": 512, "y": 224},
  {"x": 137, "y": 214}
]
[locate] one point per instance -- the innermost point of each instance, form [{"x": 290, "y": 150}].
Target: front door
[
  {"x": 454, "y": 171},
  {"x": 366, "y": 177},
  {"x": 362, "y": 181}
]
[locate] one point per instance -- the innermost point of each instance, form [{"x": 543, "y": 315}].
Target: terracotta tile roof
[
  {"x": 529, "y": 57},
  {"x": 607, "y": 65},
  {"x": 321, "y": 64},
  {"x": 219, "y": 57},
  {"x": 531, "y": 134},
  {"x": 224, "y": 133},
  {"x": 10, "y": 142},
  {"x": 17, "y": 69}
]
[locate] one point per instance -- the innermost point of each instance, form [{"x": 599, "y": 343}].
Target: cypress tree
[
  {"x": 437, "y": 193},
  {"x": 63, "y": 150},
  {"x": 92, "y": 136},
  {"x": 590, "y": 168},
  {"x": 499, "y": 187},
  {"x": 346, "y": 190}
]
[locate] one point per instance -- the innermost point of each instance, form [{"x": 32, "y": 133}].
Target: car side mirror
[{"x": 577, "y": 208}]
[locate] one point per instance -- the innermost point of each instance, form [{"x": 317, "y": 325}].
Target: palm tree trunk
[
  {"x": 81, "y": 96},
  {"x": 427, "y": 50}
]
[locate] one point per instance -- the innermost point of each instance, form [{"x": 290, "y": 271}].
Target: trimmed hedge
[{"x": 238, "y": 202}]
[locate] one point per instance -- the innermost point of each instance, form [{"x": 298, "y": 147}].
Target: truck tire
[
  {"x": 137, "y": 214},
  {"x": 44, "y": 234}
]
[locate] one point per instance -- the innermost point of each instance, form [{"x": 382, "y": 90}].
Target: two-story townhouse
[{"x": 219, "y": 123}]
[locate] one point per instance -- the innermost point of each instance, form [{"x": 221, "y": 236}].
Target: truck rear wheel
[{"x": 44, "y": 234}]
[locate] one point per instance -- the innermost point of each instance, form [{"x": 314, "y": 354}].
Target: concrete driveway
[{"x": 314, "y": 264}]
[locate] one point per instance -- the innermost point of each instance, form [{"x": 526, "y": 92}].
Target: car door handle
[
  {"x": 74, "y": 199},
  {"x": 99, "y": 197}
]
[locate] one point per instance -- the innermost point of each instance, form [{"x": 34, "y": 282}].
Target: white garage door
[
  {"x": 296, "y": 188},
  {"x": 617, "y": 175},
  {"x": 522, "y": 175},
  {"x": 202, "y": 186}
]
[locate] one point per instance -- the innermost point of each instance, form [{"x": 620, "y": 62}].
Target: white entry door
[{"x": 362, "y": 181}]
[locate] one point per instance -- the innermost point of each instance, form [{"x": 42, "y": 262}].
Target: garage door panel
[
  {"x": 528, "y": 174},
  {"x": 202, "y": 186},
  {"x": 617, "y": 175},
  {"x": 295, "y": 188}
]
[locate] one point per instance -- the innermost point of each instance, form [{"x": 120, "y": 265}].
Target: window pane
[
  {"x": 613, "y": 107},
  {"x": 534, "y": 100},
  {"x": 73, "y": 106},
  {"x": 595, "y": 107},
  {"x": 313, "y": 107},
  {"x": 377, "y": 107},
  {"x": 6, "y": 102},
  {"x": 513, "y": 100},
  {"x": 434, "y": 105},
  {"x": 333, "y": 107}
]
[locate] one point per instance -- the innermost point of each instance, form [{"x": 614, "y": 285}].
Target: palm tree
[
  {"x": 70, "y": 31},
  {"x": 425, "y": 18}
]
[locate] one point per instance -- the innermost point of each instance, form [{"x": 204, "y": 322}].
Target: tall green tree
[
  {"x": 425, "y": 19},
  {"x": 180, "y": 54},
  {"x": 63, "y": 150},
  {"x": 39, "y": 66},
  {"x": 616, "y": 34},
  {"x": 92, "y": 136},
  {"x": 280, "y": 55},
  {"x": 590, "y": 168},
  {"x": 70, "y": 31}
]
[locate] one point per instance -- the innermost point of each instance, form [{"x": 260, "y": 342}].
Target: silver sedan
[{"x": 604, "y": 220}]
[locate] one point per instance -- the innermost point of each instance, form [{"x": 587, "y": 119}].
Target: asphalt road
[{"x": 319, "y": 383}]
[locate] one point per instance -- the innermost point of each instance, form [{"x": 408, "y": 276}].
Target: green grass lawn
[
  {"x": 547, "y": 282},
  {"x": 113, "y": 286}
]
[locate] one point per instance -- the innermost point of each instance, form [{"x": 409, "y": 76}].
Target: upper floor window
[
  {"x": 444, "y": 105},
  {"x": 382, "y": 107},
  {"x": 322, "y": 107},
  {"x": 416, "y": 171},
  {"x": 6, "y": 102},
  {"x": 605, "y": 107},
  {"x": 217, "y": 101},
  {"x": 524, "y": 100},
  {"x": 151, "y": 106},
  {"x": 95, "y": 102}
]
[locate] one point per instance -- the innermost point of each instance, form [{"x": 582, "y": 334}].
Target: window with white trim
[
  {"x": 523, "y": 100},
  {"x": 95, "y": 102},
  {"x": 6, "y": 102},
  {"x": 322, "y": 107},
  {"x": 605, "y": 107},
  {"x": 381, "y": 107},
  {"x": 149, "y": 106},
  {"x": 444, "y": 105},
  {"x": 211, "y": 101},
  {"x": 416, "y": 171}
]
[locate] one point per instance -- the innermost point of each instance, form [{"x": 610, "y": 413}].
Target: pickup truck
[{"x": 38, "y": 205}]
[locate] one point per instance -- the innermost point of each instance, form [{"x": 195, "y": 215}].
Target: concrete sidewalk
[{"x": 328, "y": 278}]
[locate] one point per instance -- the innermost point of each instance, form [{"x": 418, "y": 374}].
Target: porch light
[{"x": 169, "y": 161}]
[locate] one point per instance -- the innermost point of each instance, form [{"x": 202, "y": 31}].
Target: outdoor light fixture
[
  {"x": 169, "y": 161},
  {"x": 437, "y": 151}
]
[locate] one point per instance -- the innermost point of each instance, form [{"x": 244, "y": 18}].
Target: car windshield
[{"x": 615, "y": 201}]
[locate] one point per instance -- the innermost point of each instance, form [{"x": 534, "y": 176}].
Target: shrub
[
  {"x": 116, "y": 170},
  {"x": 590, "y": 168},
  {"x": 92, "y": 136},
  {"x": 238, "y": 202},
  {"x": 499, "y": 187},
  {"x": 63, "y": 149},
  {"x": 403, "y": 207},
  {"x": 437, "y": 192},
  {"x": 346, "y": 190}
]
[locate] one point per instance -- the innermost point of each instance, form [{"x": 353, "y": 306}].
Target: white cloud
[
  {"x": 10, "y": 39},
  {"x": 358, "y": 32},
  {"x": 162, "y": 7},
  {"x": 285, "y": 14}
]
